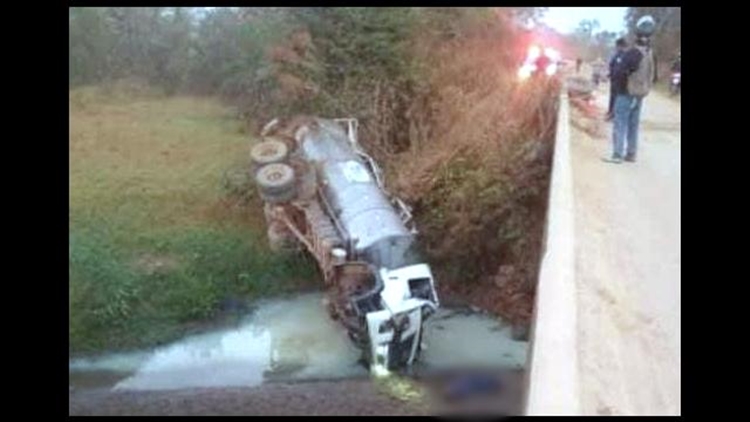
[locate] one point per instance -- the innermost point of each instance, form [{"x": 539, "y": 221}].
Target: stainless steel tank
[{"x": 361, "y": 207}]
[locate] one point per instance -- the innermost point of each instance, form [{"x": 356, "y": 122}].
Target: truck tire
[
  {"x": 276, "y": 182},
  {"x": 268, "y": 152}
]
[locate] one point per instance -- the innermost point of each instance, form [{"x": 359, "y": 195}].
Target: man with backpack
[{"x": 632, "y": 80}]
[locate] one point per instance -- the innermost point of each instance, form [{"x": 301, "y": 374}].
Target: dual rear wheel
[{"x": 275, "y": 179}]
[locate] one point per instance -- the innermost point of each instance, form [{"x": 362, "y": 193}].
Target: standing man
[
  {"x": 621, "y": 46},
  {"x": 633, "y": 80},
  {"x": 578, "y": 65}
]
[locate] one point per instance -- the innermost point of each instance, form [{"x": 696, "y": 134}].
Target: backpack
[{"x": 641, "y": 81}]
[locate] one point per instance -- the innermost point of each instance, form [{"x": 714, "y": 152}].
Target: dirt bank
[
  {"x": 354, "y": 397},
  {"x": 322, "y": 398}
]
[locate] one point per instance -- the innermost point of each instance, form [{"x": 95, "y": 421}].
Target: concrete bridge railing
[{"x": 552, "y": 376}]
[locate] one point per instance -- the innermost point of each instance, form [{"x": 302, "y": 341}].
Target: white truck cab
[{"x": 408, "y": 297}]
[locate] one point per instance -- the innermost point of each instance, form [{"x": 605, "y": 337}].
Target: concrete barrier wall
[{"x": 552, "y": 376}]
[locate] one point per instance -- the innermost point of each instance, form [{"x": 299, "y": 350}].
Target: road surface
[{"x": 627, "y": 235}]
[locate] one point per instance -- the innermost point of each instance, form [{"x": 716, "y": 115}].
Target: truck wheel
[
  {"x": 276, "y": 182},
  {"x": 268, "y": 152}
]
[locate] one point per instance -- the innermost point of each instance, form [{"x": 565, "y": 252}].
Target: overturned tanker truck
[{"x": 323, "y": 193}]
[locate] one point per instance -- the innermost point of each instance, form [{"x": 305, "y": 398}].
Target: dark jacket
[
  {"x": 620, "y": 70},
  {"x": 616, "y": 58}
]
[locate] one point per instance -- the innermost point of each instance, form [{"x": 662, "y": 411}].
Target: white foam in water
[{"x": 296, "y": 339}]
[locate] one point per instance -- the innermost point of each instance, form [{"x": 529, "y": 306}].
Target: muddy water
[
  {"x": 462, "y": 338},
  {"x": 291, "y": 340}
]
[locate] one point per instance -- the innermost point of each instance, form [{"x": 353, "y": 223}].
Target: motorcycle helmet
[{"x": 645, "y": 26}]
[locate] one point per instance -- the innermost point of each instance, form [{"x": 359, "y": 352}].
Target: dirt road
[{"x": 627, "y": 232}]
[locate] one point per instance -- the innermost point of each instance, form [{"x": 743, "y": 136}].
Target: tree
[
  {"x": 589, "y": 43},
  {"x": 216, "y": 51},
  {"x": 172, "y": 49},
  {"x": 89, "y": 44},
  {"x": 587, "y": 27},
  {"x": 528, "y": 15}
]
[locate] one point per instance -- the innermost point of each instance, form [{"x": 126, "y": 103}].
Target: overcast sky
[{"x": 566, "y": 19}]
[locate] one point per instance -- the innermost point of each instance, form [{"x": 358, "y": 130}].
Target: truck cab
[{"x": 408, "y": 298}]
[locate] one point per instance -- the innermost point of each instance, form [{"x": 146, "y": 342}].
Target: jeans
[
  {"x": 612, "y": 96},
  {"x": 627, "y": 116}
]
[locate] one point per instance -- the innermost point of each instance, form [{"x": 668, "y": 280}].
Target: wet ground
[{"x": 288, "y": 357}]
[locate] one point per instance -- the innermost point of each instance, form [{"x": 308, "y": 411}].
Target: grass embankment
[{"x": 165, "y": 232}]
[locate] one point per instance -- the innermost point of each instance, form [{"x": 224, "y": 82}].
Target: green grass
[{"x": 159, "y": 236}]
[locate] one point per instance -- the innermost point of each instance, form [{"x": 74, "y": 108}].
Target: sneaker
[
  {"x": 630, "y": 158},
  {"x": 614, "y": 159}
]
